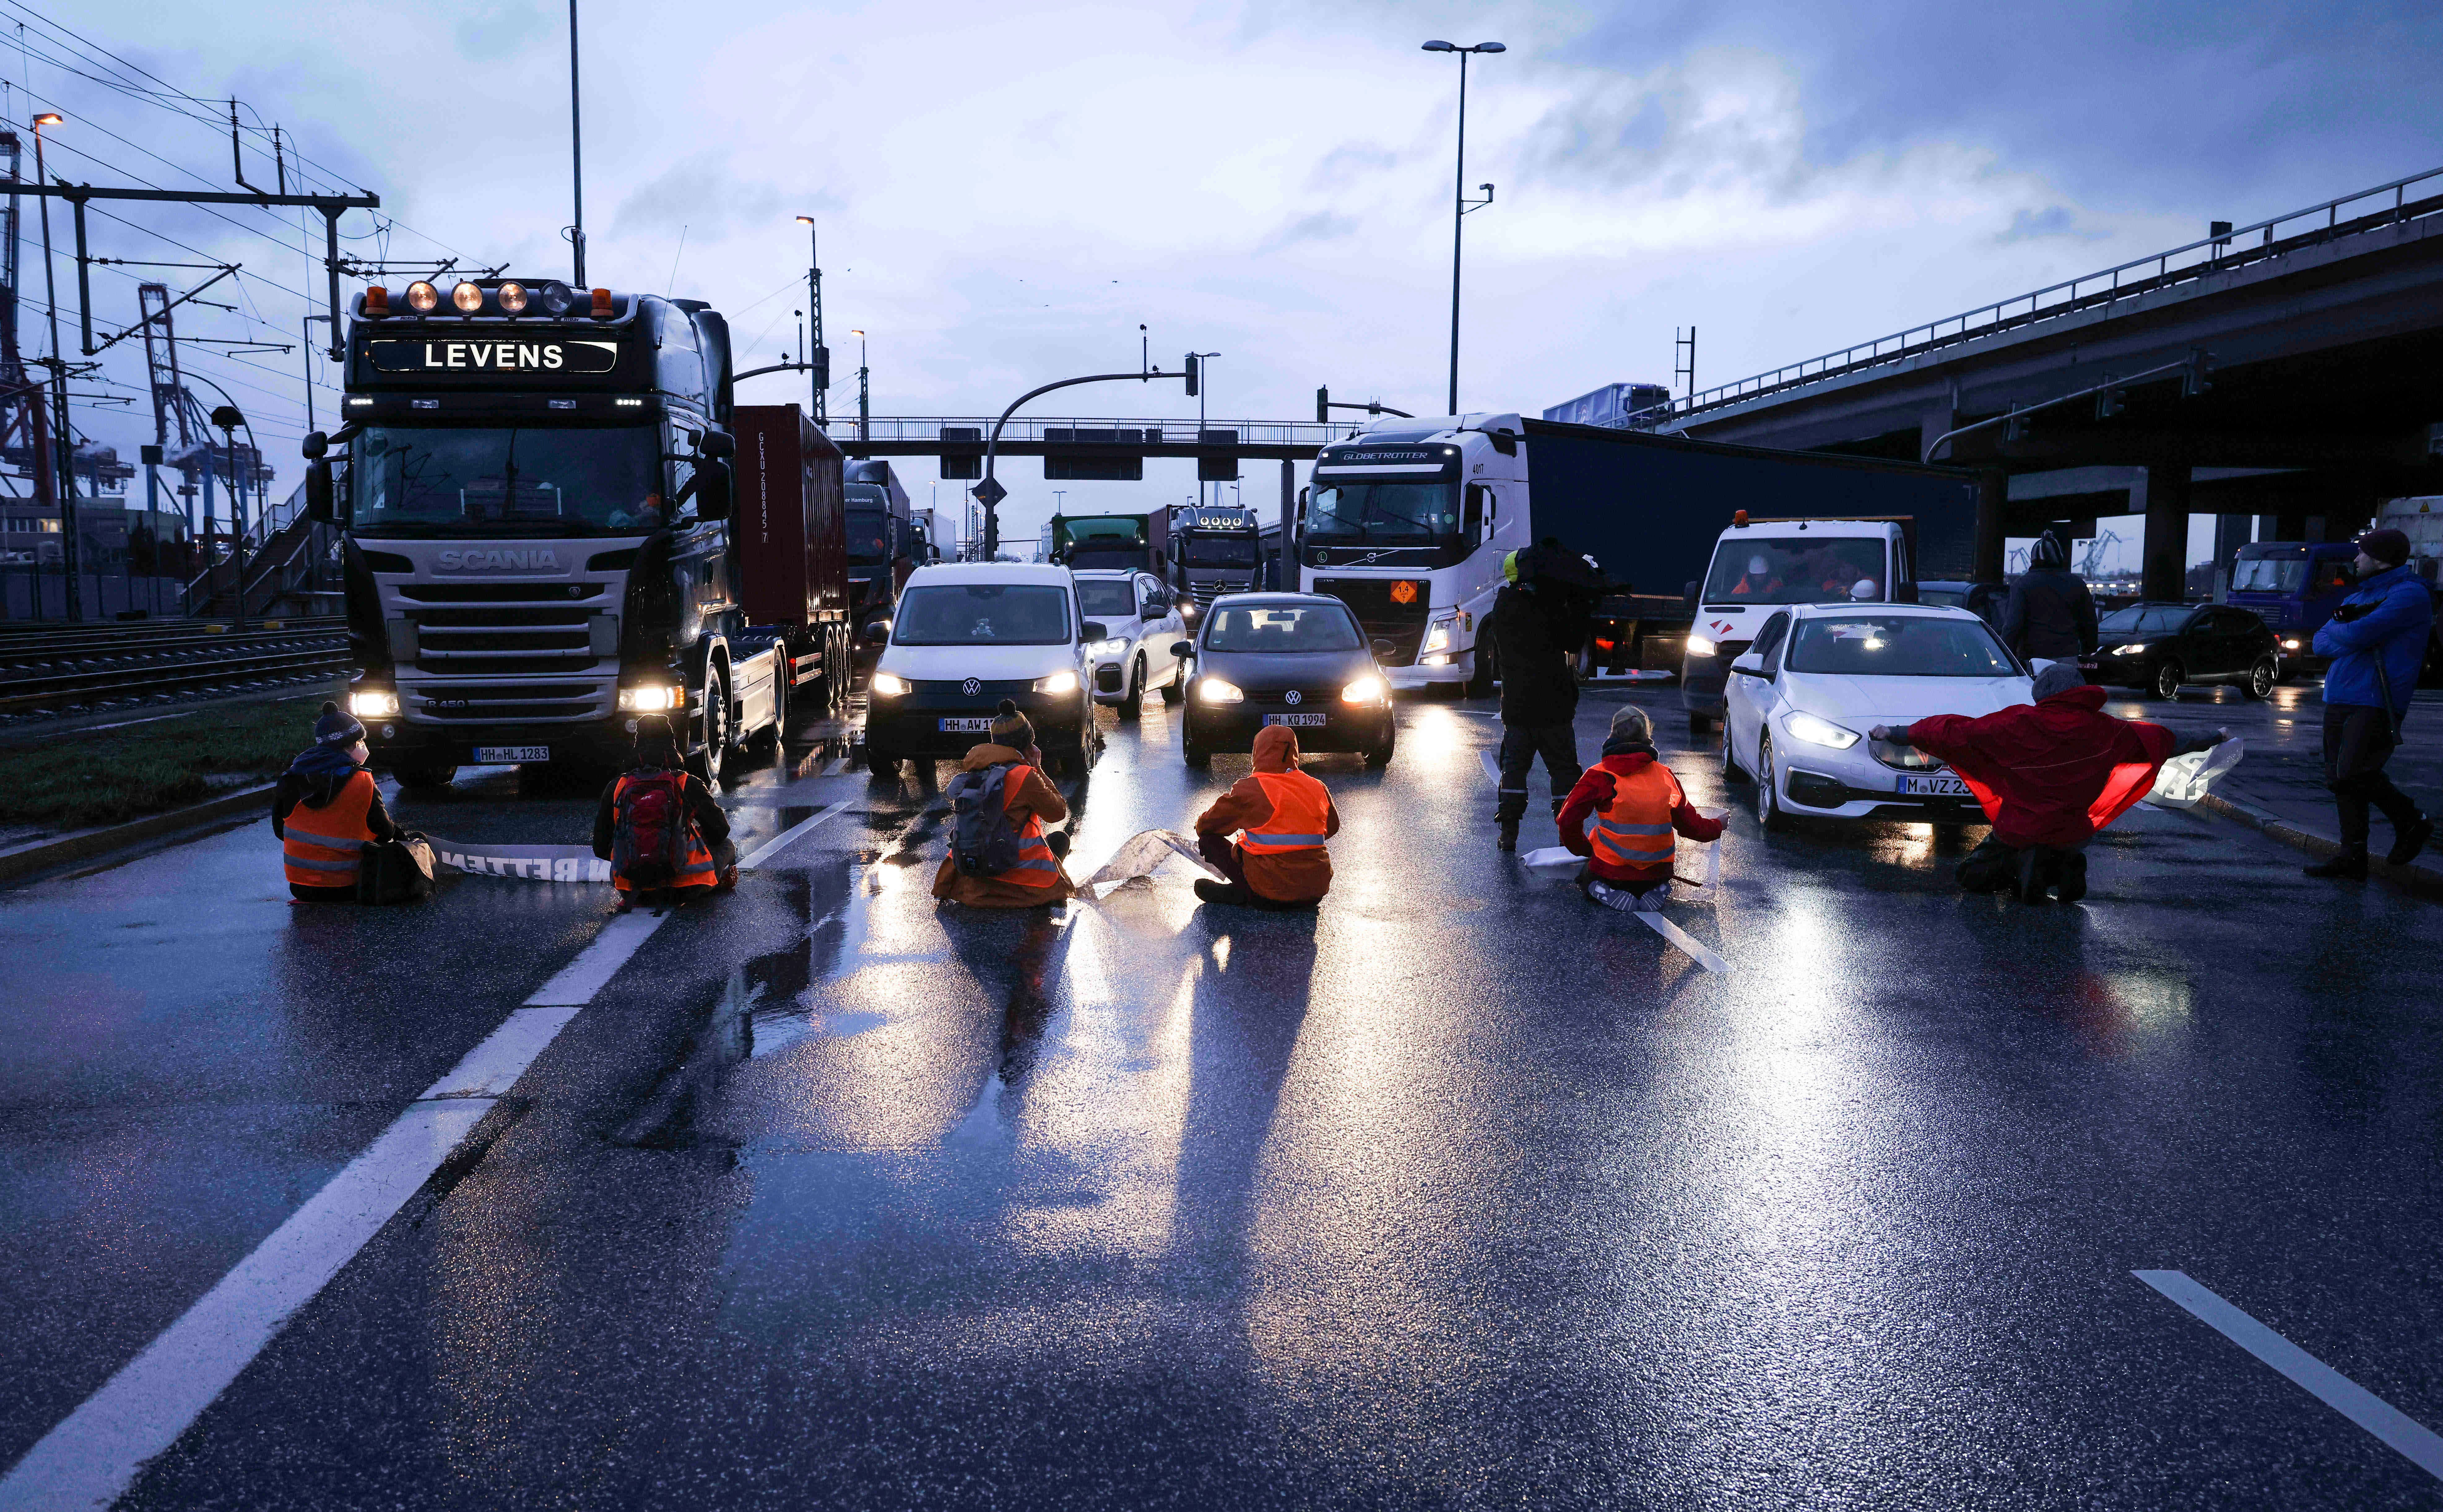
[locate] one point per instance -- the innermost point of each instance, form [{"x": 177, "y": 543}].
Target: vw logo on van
[
  {"x": 1292, "y": 696},
  {"x": 971, "y": 687}
]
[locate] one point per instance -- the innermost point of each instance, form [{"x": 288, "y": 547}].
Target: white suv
[{"x": 1141, "y": 622}]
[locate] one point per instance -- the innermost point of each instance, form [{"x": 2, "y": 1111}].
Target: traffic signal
[
  {"x": 2199, "y": 376},
  {"x": 1323, "y": 406},
  {"x": 2015, "y": 427},
  {"x": 1193, "y": 367},
  {"x": 2109, "y": 403}
]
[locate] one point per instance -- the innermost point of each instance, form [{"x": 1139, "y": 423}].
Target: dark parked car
[
  {"x": 1983, "y": 599},
  {"x": 2158, "y": 647},
  {"x": 1284, "y": 658}
]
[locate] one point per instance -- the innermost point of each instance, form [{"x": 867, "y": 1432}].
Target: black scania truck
[{"x": 535, "y": 488}]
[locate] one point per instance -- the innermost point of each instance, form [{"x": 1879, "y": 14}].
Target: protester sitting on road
[
  {"x": 2050, "y": 775},
  {"x": 326, "y": 809},
  {"x": 661, "y": 830},
  {"x": 1007, "y": 770},
  {"x": 1281, "y": 817},
  {"x": 1636, "y": 805},
  {"x": 2377, "y": 640},
  {"x": 2049, "y": 615}
]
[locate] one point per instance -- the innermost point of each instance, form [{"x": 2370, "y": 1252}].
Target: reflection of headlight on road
[
  {"x": 2139, "y": 650},
  {"x": 377, "y": 704},
  {"x": 1820, "y": 732},
  {"x": 1700, "y": 646},
  {"x": 888, "y": 685},
  {"x": 1366, "y": 690},
  {"x": 1059, "y": 682},
  {"x": 647, "y": 700},
  {"x": 1438, "y": 638},
  {"x": 1214, "y": 690}
]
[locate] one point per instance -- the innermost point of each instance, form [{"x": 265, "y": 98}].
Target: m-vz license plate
[
  {"x": 509, "y": 755},
  {"x": 978, "y": 725},
  {"x": 1301, "y": 721},
  {"x": 1937, "y": 785}
]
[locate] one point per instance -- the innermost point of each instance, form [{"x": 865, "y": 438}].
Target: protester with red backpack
[{"x": 660, "y": 828}]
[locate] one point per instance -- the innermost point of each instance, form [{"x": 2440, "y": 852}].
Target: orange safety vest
[
  {"x": 697, "y": 871},
  {"x": 1634, "y": 829},
  {"x": 1301, "y": 809},
  {"x": 1036, "y": 866},
  {"x": 323, "y": 848}
]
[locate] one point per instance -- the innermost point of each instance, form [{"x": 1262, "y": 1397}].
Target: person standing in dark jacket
[
  {"x": 324, "y": 810},
  {"x": 1531, "y": 626},
  {"x": 2377, "y": 640},
  {"x": 2050, "y": 615}
]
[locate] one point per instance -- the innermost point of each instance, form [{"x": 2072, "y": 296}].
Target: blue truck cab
[{"x": 2294, "y": 586}]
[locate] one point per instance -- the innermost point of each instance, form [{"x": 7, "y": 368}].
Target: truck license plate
[
  {"x": 509, "y": 755},
  {"x": 1301, "y": 721},
  {"x": 980, "y": 725},
  {"x": 1939, "y": 785}
]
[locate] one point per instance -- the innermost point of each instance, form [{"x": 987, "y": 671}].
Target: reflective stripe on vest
[
  {"x": 322, "y": 847},
  {"x": 1036, "y": 866},
  {"x": 1301, "y": 809},
  {"x": 1634, "y": 829},
  {"x": 697, "y": 869}
]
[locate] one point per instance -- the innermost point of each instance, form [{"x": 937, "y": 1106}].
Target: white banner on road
[{"x": 532, "y": 863}]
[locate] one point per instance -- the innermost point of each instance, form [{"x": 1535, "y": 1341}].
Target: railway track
[{"x": 51, "y": 670}]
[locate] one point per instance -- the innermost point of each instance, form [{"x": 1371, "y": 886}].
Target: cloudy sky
[{"x": 1008, "y": 191}]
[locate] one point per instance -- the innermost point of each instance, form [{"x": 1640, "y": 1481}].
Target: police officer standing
[{"x": 1536, "y": 626}]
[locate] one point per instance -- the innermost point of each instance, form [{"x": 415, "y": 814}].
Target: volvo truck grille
[{"x": 1376, "y": 602}]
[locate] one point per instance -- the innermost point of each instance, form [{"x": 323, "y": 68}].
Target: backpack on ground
[
  {"x": 398, "y": 870},
  {"x": 650, "y": 829},
  {"x": 983, "y": 839}
]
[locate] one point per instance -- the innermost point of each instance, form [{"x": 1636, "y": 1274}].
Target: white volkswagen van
[{"x": 966, "y": 636}]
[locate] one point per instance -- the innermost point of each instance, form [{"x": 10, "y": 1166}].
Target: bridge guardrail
[
  {"x": 2137, "y": 276},
  {"x": 1033, "y": 428}
]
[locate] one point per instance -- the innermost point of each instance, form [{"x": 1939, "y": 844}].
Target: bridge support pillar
[
  {"x": 1287, "y": 567},
  {"x": 2167, "y": 533},
  {"x": 1992, "y": 503}
]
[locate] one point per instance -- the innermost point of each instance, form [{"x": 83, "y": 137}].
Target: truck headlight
[
  {"x": 654, "y": 698},
  {"x": 887, "y": 685},
  {"x": 373, "y": 703},
  {"x": 1059, "y": 682},
  {"x": 1820, "y": 732},
  {"x": 1367, "y": 689},
  {"x": 1437, "y": 637},
  {"x": 1700, "y": 646},
  {"x": 1214, "y": 690}
]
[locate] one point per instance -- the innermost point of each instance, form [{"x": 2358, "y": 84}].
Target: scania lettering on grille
[{"x": 540, "y": 560}]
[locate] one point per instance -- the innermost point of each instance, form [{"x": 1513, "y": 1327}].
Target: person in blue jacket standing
[{"x": 2377, "y": 643}]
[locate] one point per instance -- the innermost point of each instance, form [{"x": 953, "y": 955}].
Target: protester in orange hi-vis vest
[
  {"x": 1636, "y": 813},
  {"x": 326, "y": 809},
  {"x": 662, "y": 831},
  {"x": 1281, "y": 817},
  {"x": 1028, "y": 799}
]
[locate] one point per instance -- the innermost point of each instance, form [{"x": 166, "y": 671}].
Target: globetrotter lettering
[{"x": 540, "y": 559}]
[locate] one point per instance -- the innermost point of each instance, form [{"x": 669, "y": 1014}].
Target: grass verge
[{"x": 108, "y": 776}]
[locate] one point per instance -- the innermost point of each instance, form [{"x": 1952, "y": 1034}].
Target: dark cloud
[
  {"x": 700, "y": 194},
  {"x": 1323, "y": 226},
  {"x": 2036, "y": 225}
]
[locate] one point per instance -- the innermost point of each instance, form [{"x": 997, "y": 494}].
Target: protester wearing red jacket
[
  {"x": 1637, "y": 810},
  {"x": 2050, "y": 774}
]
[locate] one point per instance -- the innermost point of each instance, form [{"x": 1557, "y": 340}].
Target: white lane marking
[
  {"x": 1492, "y": 768},
  {"x": 2398, "y": 1429},
  {"x": 788, "y": 837},
  {"x": 95, "y": 1454},
  {"x": 1686, "y": 941}
]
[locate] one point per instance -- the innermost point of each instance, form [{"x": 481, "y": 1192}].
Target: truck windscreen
[
  {"x": 868, "y": 536},
  {"x": 1791, "y": 569},
  {"x": 1220, "y": 552},
  {"x": 1391, "y": 514},
  {"x": 2267, "y": 576},
  {"x": 514, "y": 480}
]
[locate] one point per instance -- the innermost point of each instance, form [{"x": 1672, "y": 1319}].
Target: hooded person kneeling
[
  {"x": 2050, "y": 776},
  {"x": 660, "y": 829},
  {"x": 327, "y": 809},
  {"x": 1624, "y": 817},
  {"x": 1001, "y": 857},
  {"x": 1281, "y": 818}
]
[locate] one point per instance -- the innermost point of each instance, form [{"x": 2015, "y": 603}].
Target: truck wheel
[
  {"x": 424, "y": 779},
  {"x": 770, "y": 739},
  {"x": 1133, "y": 705},
  {"x": 708, "y": 766},
  {"x": 1483, "y": 673}
]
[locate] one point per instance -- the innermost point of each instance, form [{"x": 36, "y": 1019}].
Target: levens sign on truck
[{"x": 545, "y": 356}]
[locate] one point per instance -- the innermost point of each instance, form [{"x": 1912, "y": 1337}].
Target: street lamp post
[
  {"x": 861, "y": 405},
  {"x": 228, "y": 420},
  {"x": 576, "y": 157},
  {"x": 819, "y": 357},
  {"x": 1462, "y": 204},
  {"x": 62, "y": 441}
]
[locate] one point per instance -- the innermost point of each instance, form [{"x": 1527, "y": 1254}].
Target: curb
[
  {"x": 2417, "y": 877},
  {"x": 85, "y": 844}
]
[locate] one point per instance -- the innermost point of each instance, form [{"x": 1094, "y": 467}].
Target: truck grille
[
  {"x": 481, "y": 702},
  {"x": 1383, "y": 616},
  {"x": 482, "y": 647}
]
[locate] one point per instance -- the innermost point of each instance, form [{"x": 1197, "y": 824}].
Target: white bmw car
[{"x": 1819, "y": 676}]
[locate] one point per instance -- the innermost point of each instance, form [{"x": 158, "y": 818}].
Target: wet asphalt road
[{"x": 1461, "y": 1193}]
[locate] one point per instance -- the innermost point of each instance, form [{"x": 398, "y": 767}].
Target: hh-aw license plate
[
  {"x": 978, "y": 725},
  {"x": 1937, "y": 784},
  {"x": 506, "y": 755},
  {"x": 1302, "y": 721}
]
